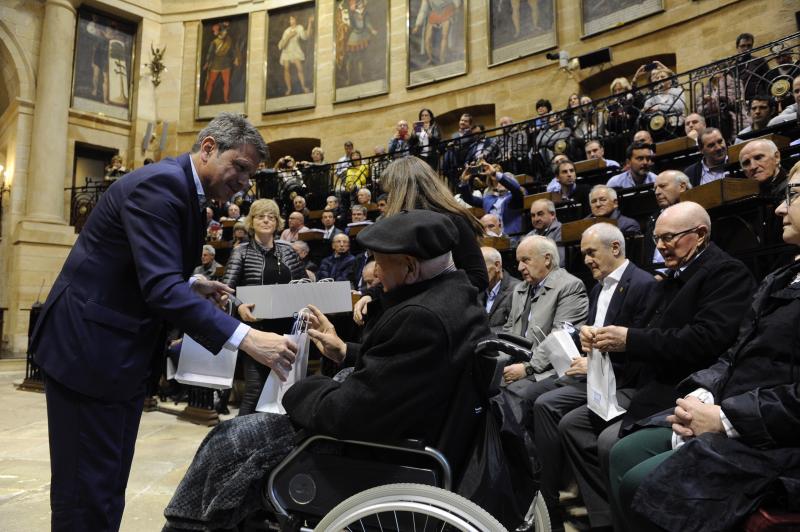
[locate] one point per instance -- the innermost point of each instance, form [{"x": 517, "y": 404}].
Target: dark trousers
[
  {"x": 587, "y": 441},
  {"x": 255, "y": 376},
  {"x": 91, "y": 449}
]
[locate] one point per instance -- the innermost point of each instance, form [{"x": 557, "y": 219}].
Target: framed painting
[
  {"x": 436, "y": 41},
  {"x": 601, "y": 16},
  {"x": 222, "y": 66},
  {"x": 291, "y": 57},
  {"x": 518, "y": 28},
  {"x": 102, "y": 77},
  {"x": 361, "y": 33}
]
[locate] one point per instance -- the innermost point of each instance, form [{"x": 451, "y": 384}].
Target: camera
[{"x": 474, "y": 170}]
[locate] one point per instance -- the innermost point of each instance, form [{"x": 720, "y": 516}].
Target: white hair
[
  {"x": 210, "y": 250},
  {"x": 608, "y": 234},
  {"x": 611, "y": 192},
  {"x": 492, "y": 254},
  {"x": 544, "y": 246}
]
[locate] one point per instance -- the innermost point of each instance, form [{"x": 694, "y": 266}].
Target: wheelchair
[{"x": 327, "y": 484}]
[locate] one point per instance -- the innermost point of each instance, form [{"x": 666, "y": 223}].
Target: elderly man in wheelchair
[{"x": 409, "y": 415}]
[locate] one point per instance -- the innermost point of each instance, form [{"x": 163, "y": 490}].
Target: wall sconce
[
  {"x": 156, "y": 64},
  {"x": 4, "y": 185}
]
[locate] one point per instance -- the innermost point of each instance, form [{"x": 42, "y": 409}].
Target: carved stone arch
[{"x": 13, "y": 54}]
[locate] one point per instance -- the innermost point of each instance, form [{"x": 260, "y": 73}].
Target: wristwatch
[{"x": 528, "y": 368}]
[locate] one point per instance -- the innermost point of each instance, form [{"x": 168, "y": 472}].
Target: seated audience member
[
  {"x": 545, "y": 223},
  {"x": 760, "y": 159},
  {"x": 362, "y": 259},
  {"x": 669, "y": 186},
  {"x": 369, "y": 277},
  {"x": 553, "y": 169},
  {"x": 338, "y": 266},
  {"x": 694, "y": 125},
  {"x": 565, "y": 184},
  {"x": 261, "y": 261},
  {"x": 383, "y": 199},
  {"x": 594, "y": 150},
  {"x": 296, "y": 225},
  {"x": 665, "y": 97},
  {"x": 239, "y": 234},
  {"x": 410, "y": 365},
  {"x": 496, "y": 299},
  {"x": 299, "y": 204},
  {"x": 358, "y": 216},
  {"x": 604, "y": 204},
  {"x": 233, "y": 213},
  {"x": 548, "y": 298},
  {"x": 760, "y": 112},
  {"x": 715, "y": 156},
  {"x": 492, "y": 225},
  {"x": 363, "y": 197},
  {"x": 356, "y": 176},
  {"x": 620, "y": 298},
  {"x": 504, "y": 197},
  {"x": 695, "y": 317},
  {"x": 332, "y": 204},
  {"x": 208, "y": 266},
  {"x": 642, "y": 136},
  {"x": 512, "y": 146},
  {"x": 790, "y": 113},
  {"x": 734, "y": 439},
  {"x": 303, "y": 253},
  {"x": 542, "y": 108},
  {"x": 639, "y": 159},
  {"x": 482, "y": 148},
  {"x": 330, "y": 230}
]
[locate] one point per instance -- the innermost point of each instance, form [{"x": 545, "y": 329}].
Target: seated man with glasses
[
  {"x": 736, "y": 432},
  {"x": 695, "y": 315}
]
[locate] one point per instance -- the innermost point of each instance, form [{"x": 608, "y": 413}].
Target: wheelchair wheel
[{"x": 408, "y": 507}]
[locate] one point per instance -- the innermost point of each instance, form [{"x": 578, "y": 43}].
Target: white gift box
[
  {"x": 283, "y": 300},
  {"x": 198, "y": 366}
]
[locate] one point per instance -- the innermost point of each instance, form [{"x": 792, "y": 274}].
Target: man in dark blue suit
[
  {"x": 102, "y": 323},
  {"x": 621, "y": 296}
]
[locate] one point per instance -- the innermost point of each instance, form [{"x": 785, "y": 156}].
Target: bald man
[
  {"x": 695, "y": 318},
  {"x": 496, "y": 299},
  {"x": 492, "y": 225}
]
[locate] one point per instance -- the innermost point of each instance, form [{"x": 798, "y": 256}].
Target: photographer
[{"x": 503, "y": 197}]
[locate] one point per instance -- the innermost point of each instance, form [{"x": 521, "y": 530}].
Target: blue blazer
[
  {"x": 512, "y": 211},
  {"x": 126, "y": 276}
]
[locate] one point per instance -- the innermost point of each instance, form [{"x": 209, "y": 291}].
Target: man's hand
[
  {"x": 273, "y": 350},
  {"x": 360, "y": 309},
  {"x": 324, "y": 336},
  {"x": 588, "y": 335},
  {"x": 692, "y": 417},
  {"x": 579, "y": 366},
  {"x": 513, "y": 372},
  {"x": 611, "y": 338},
  {"x": 246, "y": 312},
  {"x": 214, "y": 290}
]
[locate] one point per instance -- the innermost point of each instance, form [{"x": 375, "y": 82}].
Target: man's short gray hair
[
  {"x": 679, "y": 177},
  {"x": 210, "y": 250},
  {"x": 544, "y": 246},
  {"x": 608, "y": 234},
  {"x": 359, "y": 208},
  {"x": 611, "y": 192},
  {"x": 492, "y": 254},
  {"x": 365, "y": 189},
  {"x": 771, "y": 146},
  {"x": 551, "y": 207},
  {"x": 302, "y": 245},
  {"x": 231, "y": 131}
]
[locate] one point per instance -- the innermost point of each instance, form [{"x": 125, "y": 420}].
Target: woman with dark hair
[
  {"x": 428, "y": 137},
  {"x": 411, "y": 183},
  {"x": 262, "y": 260}
]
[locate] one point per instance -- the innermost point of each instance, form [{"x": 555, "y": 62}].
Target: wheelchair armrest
[
  {"x": 517, "y": 352},
  {"x": 517, "y": 340}
]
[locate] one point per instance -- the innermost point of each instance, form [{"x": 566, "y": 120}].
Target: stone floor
[{"x": 164, "y": 448}]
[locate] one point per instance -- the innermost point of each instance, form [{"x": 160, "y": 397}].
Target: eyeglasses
[
  {"x": 670, "y": 238},
  {"x": 791, "y": 193}
]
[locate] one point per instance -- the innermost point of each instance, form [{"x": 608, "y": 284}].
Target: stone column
[{"x": 48, "y": 163}]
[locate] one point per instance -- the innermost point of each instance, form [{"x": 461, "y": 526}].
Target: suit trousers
[
  {"x": 587, "y": 441},
  {"x": 91, "y": 450},
  {"x": 548, "y": 410}
]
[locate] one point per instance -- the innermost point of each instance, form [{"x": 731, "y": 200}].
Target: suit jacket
[
  {"x": 695, "y": 318},
  {"x": 512, "y": 209},
  {"x": 501, "y": 307},
  {"x": 562, "y": 298},
  {"x": 125, "y": 276},
  {"x": 694, "y": 172},
  {"x": 629, "y": 307}
]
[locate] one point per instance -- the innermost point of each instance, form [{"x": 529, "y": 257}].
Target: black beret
[{"x": 421, "y": 234}]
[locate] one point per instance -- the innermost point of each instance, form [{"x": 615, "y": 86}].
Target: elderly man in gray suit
[
  {"x": 496, "y": 299},
  {"x": 548, "y": 298}
]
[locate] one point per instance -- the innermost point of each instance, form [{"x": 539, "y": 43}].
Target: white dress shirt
[{"x": 609, "y": 284}]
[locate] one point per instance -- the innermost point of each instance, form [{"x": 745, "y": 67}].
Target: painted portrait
[
  {"x": 602, "y": 16},
  {"x": 291, "y": 53},
  {"x": 102, "y": 80},
  {"x": 437, "y": 37},
  {"x": 222, "y": 66},
  {"x": 518, "y": 28},
  {"x": 361, "y": 33}
]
